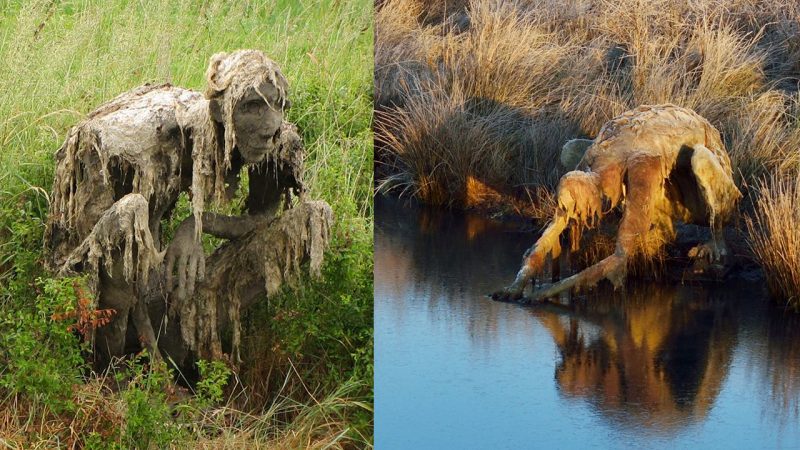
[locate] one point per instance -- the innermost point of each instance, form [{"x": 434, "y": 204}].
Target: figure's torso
[
  {"x": 135, "y": 143},
  {"x": 664, "y": 132},
  {"x": 659, "y": 130}
]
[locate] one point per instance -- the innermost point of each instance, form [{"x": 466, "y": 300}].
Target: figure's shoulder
[
  {"x": 143, "y": 118},
  {"x": 146, "y": 100}
]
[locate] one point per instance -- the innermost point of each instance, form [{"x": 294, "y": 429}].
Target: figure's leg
[
  {"x": 720, "y": 195},
  {"x": 579, "y": 203},
  {"x": 110, "y": 338},
  {"x": 114, "y": 292},
  {"x": 144, "y": 329},
  {"x": 645, "y": 185},
  {"x": 242, "y": 270},
  {"x": 119, "y": 254}
]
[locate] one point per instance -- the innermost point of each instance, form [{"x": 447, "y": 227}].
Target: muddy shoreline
[{"x": 676, "y": 266}]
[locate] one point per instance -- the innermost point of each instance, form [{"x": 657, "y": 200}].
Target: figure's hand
[
  {"x": 185, "y": 256},
  {"x": 708, "y": 251},
  {"x": 507, "y": 294},
  {"x": 513, "y": 292}
]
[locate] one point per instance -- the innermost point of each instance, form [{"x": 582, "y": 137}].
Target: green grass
[{"x": 313, "y": 382}]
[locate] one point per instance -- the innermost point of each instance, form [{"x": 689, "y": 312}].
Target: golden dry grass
[
  {"x": 775, "y": 236},
  {"x": 489, "y": 92},
  {"x": 497, "y": 99},
  {"x": 101, "y": 414}
]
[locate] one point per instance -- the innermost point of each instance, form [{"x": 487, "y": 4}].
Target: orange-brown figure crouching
[{"x": 661, "y": 164}]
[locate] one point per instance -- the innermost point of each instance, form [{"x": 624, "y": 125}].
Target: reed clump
[
  {"x": 775, "y": 236},
  {"x": 497, "y": 87}
]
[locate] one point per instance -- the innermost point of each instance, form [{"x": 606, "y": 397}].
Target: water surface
[{"x": 659, "y": 366}]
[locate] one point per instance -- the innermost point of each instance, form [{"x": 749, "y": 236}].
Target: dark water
[{"x": 661, "y": 366}]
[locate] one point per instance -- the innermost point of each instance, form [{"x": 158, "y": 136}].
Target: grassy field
[
  {"x": 307, "y": 376},
  {"x": 474, "y": 99}
]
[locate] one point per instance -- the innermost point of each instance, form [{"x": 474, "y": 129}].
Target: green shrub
[
  {"x": 148, "y": 419},
  {"x": 65, "y": 61},
  {"x": 41, "y": 355},
  {"x": 214, "y": 376}
]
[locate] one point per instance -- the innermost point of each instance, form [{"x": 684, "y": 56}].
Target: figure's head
[
  {"x": 572, "y": 152},
  {"x": 247, "y": 94}
]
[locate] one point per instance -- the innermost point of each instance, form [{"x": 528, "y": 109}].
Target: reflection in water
[
  {"x": 656, "y": 366},
  {"x": 443, "y": 266},
  {"x": 655, "y": 357},
  {"x": 778, "y": 337}
]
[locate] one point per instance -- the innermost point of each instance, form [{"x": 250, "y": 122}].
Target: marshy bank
[{"x": 475, "y": 100}]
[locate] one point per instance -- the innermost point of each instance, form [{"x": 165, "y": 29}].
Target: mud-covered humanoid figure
[
  {"x": 662, "y": 165},
  {"x": 118, "y": 178}
]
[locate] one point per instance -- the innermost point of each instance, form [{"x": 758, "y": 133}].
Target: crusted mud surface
[{"x": 119, "y": 175}]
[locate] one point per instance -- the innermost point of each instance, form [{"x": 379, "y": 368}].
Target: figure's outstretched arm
[
  {"x": 580, "y": 205},
  {"x": 645, "y": 181},
  {"x": 269, "y": 187},
  {"x": 268, "y": 192},
  {"x": 271, "y": 184},
  {"x": 227, "y": 227},
  {"x": 535, "y": 257}
]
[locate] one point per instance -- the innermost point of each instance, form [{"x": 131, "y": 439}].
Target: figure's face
[{"x": 257, "y": 123}]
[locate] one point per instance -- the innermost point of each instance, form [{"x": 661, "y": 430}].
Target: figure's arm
[
  {"x": 644, "y": 182},
  {"x": 185, "y": 254},
  {"x": 122, "y": 227},
  {"x": 271, "y": 184},
  {"x": 268, "y": 187},
  {"x": 580, "y": 204},
  {"x": 269, "y": 190},
  {"x": 222, "y": 226}
]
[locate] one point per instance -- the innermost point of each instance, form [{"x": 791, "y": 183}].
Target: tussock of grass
[
  {"x": 775, "y": 236},
  {"x": 449, "y": 139},
  {"x": 550, "y": 72}
]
